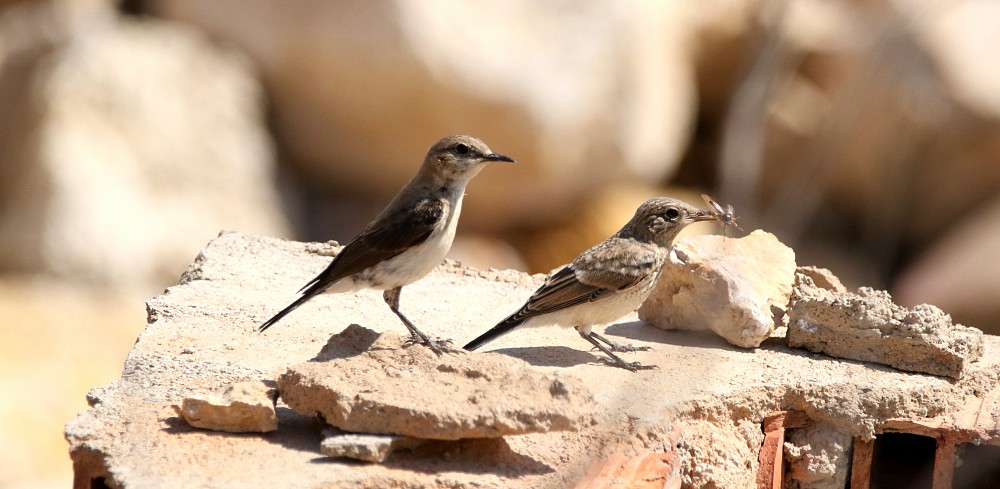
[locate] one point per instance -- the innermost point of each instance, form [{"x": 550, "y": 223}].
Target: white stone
[{"x": 737, "y": 288}]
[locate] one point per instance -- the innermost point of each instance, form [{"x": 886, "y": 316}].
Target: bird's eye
[
  {"x": 672, "y": 214},
  {"x": 461, "y": 149}
]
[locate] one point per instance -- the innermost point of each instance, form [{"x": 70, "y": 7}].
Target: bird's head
[
  {"x": 460, "y": 157},
  {"x": 660, "y": 219}
]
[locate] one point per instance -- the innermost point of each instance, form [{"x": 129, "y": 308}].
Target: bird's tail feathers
[
  {"x": 495, "y": 332},
  {"x": 312, "y": 291}
]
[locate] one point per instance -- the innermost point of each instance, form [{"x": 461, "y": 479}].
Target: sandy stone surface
[
  {"x": 201, "y": 335},
  {"x": 237, "y": 408},
  {"x": 737, "y": 288},
  {"x": 869, "y": 326},
  {"x": 367, "y": 382}
]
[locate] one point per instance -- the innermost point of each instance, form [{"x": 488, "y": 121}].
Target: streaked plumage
[{"x": 607, "y": 281}]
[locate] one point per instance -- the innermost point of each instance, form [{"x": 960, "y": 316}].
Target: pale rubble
[
  {"x": 706, "y": 402},
  {"x": 620, "y": 109},
  {"x": 366, "y": 382},
  {"x": 363, "y": 446},
  {"x": 818, "y": 457},
  {"x": 125, "y": 143},
  {"x": 241, "y": 407},
  {"x": 870, "y": 327},
  {"x": 737, "y": 288}
]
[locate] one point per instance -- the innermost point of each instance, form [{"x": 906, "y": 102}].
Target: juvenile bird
[
  {"x": 411, "y": 236},
  {"x": 607, "y": 281}
]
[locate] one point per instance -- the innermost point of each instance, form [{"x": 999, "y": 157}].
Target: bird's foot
[
  {"x": 620, "y": 347},
  {"x": 438, "y": 346},
  {"x": 632, "y": 366}
]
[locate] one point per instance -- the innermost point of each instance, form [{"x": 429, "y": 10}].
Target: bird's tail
[
  {"x": 310, "y": 293},
  {"x": 495, "y": 332}
]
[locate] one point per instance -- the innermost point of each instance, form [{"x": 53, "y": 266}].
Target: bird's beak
[
  {"x": 498, "y": 157},
  {"x": 704, "y": 216}
]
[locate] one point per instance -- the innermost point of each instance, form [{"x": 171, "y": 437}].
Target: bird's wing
[
  {"x": 384, "y": 238},
  {"x": 597, "y": 273}
]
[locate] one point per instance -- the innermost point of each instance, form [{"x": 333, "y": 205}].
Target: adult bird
[
  {"x": 607, "y": 281},
  {"x": 410, "y": 237}
]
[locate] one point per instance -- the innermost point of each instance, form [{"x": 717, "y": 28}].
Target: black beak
[{"x": 498, "y": 157}]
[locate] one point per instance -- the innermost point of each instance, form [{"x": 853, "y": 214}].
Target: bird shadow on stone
[
  {"x": 352, "y": 341},
  {"x": 640, "y": 331},
  {"x": 295, "y": 431},
  {"x": 552, "y": 356},
  {"x": 471, "y": 456}
]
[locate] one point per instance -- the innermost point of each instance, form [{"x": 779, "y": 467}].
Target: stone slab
[
  {"x": 201, "y": 335},
  {"x": 870, "y": 327},
  {"x": 368, "y": 382}
]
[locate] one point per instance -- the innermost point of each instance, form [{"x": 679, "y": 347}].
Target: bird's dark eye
[
  {"x": 672, "y": 214},
  {"x": 461, "y": 149}
]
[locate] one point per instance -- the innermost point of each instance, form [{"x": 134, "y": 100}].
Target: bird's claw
[
  {"x": 632, "y": 366},
  {"x": 439, "y": 347}
]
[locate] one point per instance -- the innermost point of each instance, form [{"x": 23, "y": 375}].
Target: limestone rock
[
  {"x": 361, "y": 90},
  {"x": 200, "y": 335},
  {"x": 241, "y": 407},
  {"x": 868, "y": 326},
  {"x": 735, "y": 287},
  {"x": 364, "y": 382},
  {"x": 126, "y": 143},
  {"x": 363, "y": 446}
]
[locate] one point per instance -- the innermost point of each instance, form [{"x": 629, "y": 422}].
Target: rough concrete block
[
  {"x": 201, "y": 334},
  {"x": 868, "y": 326}
]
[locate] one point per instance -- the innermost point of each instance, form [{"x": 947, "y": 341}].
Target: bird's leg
[
  {"x": 615, "y": 359},
  {"x": 619, "y": 346},
  {"x": 392, "y": 299}
]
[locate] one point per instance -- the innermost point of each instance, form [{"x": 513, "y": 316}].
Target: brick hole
[
  {"x": 902, "y": 460},
  {"x": 98, "y": 483}
]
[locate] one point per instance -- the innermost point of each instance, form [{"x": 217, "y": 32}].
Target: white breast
[{"x": 418, "y": 261}]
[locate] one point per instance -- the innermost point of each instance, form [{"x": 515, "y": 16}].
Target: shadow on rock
[
  {"x": 474, "y": 455},
  {"x": 640, "y": 331},
  {"x": 352, "y": 341},
  {"x": 297, "y": 432},
  {"x": 551, "y": 356}
]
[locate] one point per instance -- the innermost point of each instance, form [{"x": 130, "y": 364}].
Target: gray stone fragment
[
  {"x": 368, "y": 382},
  {"x": 363, "y": 446},
  {"x": 868, "y": 326}
]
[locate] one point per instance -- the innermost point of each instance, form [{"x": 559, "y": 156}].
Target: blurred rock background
[{"x": 864, "y": 133}]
